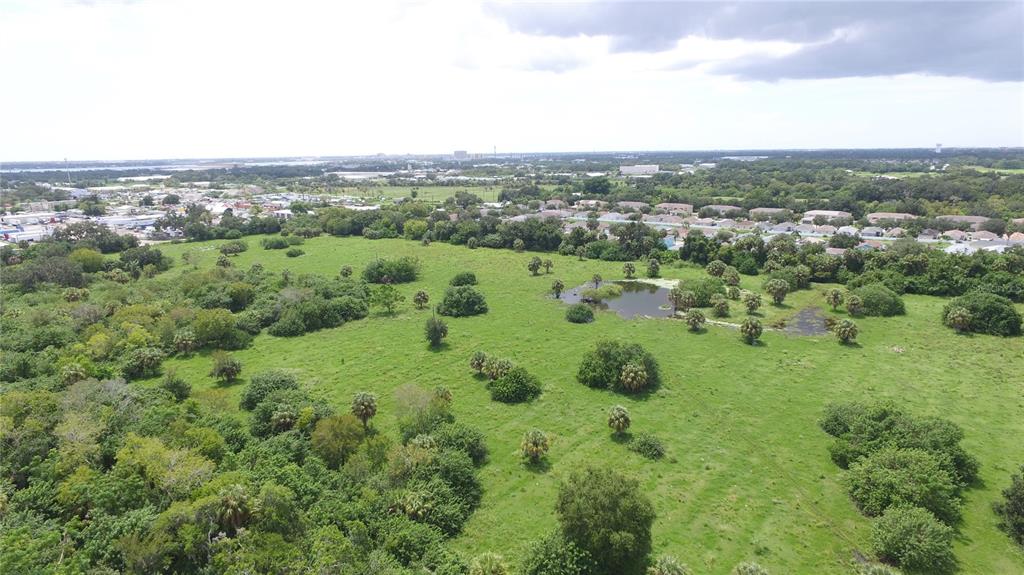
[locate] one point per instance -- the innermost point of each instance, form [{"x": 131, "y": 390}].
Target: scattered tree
[
  {"x": 628, "y": 269},
  {"x": 667, "y": 565},
  {"x": 653, "y": 268},
  {"x": 597, "y": 280},
  {"x": 557, "y": 287},
  {"x": 913, "y": 539},
  {"x": 548, "y": 264},
  {"x": 518, "y": 245},
  {"x": 225, "y": 367},
  {"x": 364, "y": 407},
  {"x": 751, "y": 330},
  {"x": 346, "y": 271},
  {"x": 534, "y": 265},
  {"x": 579, "y": 313},
  {"x": 386, "y": 296},
  {"x": 846, "y": 331},
  {"x": 421, "y": 299},
  {"x": 336, "y": 438},
  {"x": 777, "y": 288},
  {"x": 1011, "y": 509},
  {"x": 436, "y": 330},
  {"x": 477, "y": 361},
  {"x": 534, "y": 445},
  {"x": 720, "y": 306},
  {"x": 176, "y": 385},
  {"x": 695, "y": 319},
  {"x": 834, "y": 298},
  {"x": 715, "y": 268},
  {"x": 618, "y": 419},
  {"x": 489, "y": 564},
  {"x": 854, "y": 305}
]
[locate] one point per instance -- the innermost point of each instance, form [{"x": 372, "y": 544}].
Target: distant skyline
[{"x": 149, "y": 79}]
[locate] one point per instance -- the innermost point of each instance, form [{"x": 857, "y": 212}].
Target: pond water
[{"x": 637, "y": 299}]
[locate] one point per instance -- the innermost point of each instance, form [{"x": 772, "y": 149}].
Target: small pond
[{"x": 637, "y": 299}]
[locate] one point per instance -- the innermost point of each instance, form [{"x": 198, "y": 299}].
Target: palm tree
[
  {"x": 557, "y": 286},
  {"x": 854, "y": 305},
  {"x": 548, "y": 264},
  {"x": 667, "y": 565},
  {"x": 489, "y": 564},
  {"x": 834, "y": 298},
  {"x": 364, "y": 407},
  {"x": 235, "y": 508},
  {"x": 477, "y": 361},
  {"x": 633, "y": 376},
  {"x": 752, "y": 300},
  {"x": 751, "y": 330},
  {"x": 629, "y": 269},
  {"x": 959, "y": 318},
  {"x": 695, "y": 319},
  {"x": 618, "y": 419},
  {"x": 777, "y": 288},
  {"x": 597, "y": 280},
  {"x": 846, "y": 331},
  {"x": 420, "y": 299},
  {"x": 534, "y": 445}
]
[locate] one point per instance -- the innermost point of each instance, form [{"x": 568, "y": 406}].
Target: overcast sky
[{"x": 109, "y": 79}]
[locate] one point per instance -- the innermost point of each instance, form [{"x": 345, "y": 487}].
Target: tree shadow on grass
[
  {"x": 851, "y": 344},
  {"x": 443, "y": 346},
  {"x": 782, "y": 305},
  {"x": 623, "y": 438},
  {"x": 540, "y": 466}
]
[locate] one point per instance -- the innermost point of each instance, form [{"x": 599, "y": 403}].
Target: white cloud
[{"x": 199, "y": 78}]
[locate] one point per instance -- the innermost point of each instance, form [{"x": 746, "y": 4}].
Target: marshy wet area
[{"x": 638, "y": 299}]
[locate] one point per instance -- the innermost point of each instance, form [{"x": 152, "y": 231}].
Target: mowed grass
[
  {"x": 429, "y": 194},
  {"x": 747, "y": 475}
]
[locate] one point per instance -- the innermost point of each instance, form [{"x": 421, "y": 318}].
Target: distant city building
[
  {"x": 829, "y": 215},
  {"x": 875, "y": 217},
  {"x": 639, "y": 170},
  {"x": 460, "y": 155}
]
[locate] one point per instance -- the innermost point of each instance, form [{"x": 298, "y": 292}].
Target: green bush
[
  {"x": 435, "y": 331},
  {"x": 463, "y": 279},
  {"x": 274, "y": 243},
  {"x": 703, "y": 289},
  {"x": 599, "y": 294},
  {"x": 989, "y": 313},
  {"x": 264, "y": 383},
  {"x": 142, "y": 362},
  {"x": 878, "y": 300},
  {"x": 294, "y": 252},
  {"x": 579, "y": 313},
  {"x": 462, "y": 301},
  {"x": 897, "y": 477},
  {"x": 401, "y": 270},
  {"x": 464, "y": 438},
  {"x": 1011, "y": 508},
  {"x": 603, "y": 367},
  {"x": 647, "y": 445},
  {"x": 516, "y": 386},
  {"x": 555, "y": 555},
  {"x": 914, "y": 539}
]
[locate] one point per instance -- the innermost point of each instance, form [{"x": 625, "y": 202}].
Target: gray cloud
[{"x": 982, "y": 40}]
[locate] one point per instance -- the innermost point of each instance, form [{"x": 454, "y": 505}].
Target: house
[
  {"x": 848, "y": 230},
  {"x": 282, "y": 214},
  {"x": 895, "y": 232},
  {"x": 639, "y": 170},
  {"x": 955, "y": 235},
  {"x": 1017, "y": 221},
  {"x": 928, "y": 234},
  {"x": 675, "y": 209},
  {"x": 726, "y": 223},
  {"x": 782, "y": 228},
  {"x": 984, "y": 236},
  {"x": 769, "y": 213},
  {"x": 555, "y": 205},
  {"x": 633, "y": 205},
  {"x": 835, "y": 251},
  {"x": 829, "y": 215},
  {"x": 974, "y": 221},
  {"x": 1017, "y": 237},
  {"x": 875, "y": 217},
  {"x": 825, "y": 230},
  {"x": 590, "y": 204},
  {"x": 662, "y": 220},
  {"x": 872, "y": 232}
]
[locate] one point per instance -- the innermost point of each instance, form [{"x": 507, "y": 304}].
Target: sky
[{"x": 123, "y": 79}]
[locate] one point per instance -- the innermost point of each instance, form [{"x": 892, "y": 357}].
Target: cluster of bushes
[
  {"x": 625, "y": 367},
  {"x": 878, "y": 300},
  {"x": 507, "y": 382},
  {"x": 907, "y": 471},
  {"x": 982, "y": 312},
  {"x": 579, "y": 313},
  {"x": 461, "y": 301},
  {"x": 463, "y": 279},
  {"x": 281, "y": 242},
  {"x": 398, "y": 270}
]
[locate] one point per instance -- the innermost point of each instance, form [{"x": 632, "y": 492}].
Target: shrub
[
  {"x": 534, "y": 445},
  {"x": 274, "y": 243},
  {"x": 264, "y": 383},
  {"x": 987, "y": 313},
  {"x": 846, "y": 331},
  {"x": 720, "y": 306},
  {"x": 1011, "y": 509},
  {"x": 715, "y": 268},
  {"x": 750, "y": 330},
  {"x": 854, "y": 305},
  {"x": 752, "y": 301},
  {"x": 895, "y": 477},
  {"x": 703, "y": 289},
  {"x": 346, "y": 271},
  {"x": 749, "y": 569},
  {"x": 557, "y": 287},
  {"x": 225, "y": 367},
  {"x": 336, "y": 438},
  {"x": 421, "y": 299},
  {"x": 647, "y": 445},
  {"x": 515, "y": 386},
  {"x": 667, "y": 565},
  {"x": 914, "y": 539},
  {"x": 436, "y": 330},
  {"x": 233, "y": 247},
  {"x": 177, "y": 386},
  {"x": 489, "y": 563},
  {"x": 618, "y": 419},
  {"x": 478, "y": 361},
  {"x": 606, "y": 515},
  {"x": 878, "y": 300},
  {"x": 555, "y": 555},
  {"x": 653, "y": 268},
  {"x": 599, "y": 294},
  {"x": 534, "y": 265},
  {"x": 834, "y": 298},
  {"x": 495, "y": 367},
  {"x": 463, "y": 279},
  {"x": 628, "y": 269},
  {"x": 695, "y": 319},
  {"x": 142, "y": 362},
  {"x": 605, "y": 366},
  {"x": 777, "y": 288},
  {"x": 294, "y": 252},
  {"x": 462, "y": 301},
  {"x": 579, "y": 313},
  {"x": 460, "y": 437},
  {"x": 401, "y": 270}
]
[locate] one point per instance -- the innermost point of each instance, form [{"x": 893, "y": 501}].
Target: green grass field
[
  {"x": 1006, "y": 171},
  {"x": 747, "y": 475}
]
